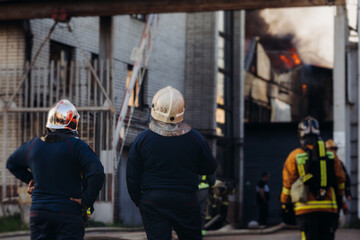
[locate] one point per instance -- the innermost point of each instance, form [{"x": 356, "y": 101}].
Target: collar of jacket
[
  {"x": 58, "y": 135},
  {"x": 169, "y": 130}
]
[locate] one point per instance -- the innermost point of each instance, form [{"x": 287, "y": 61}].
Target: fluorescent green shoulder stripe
[
  {"x": 321, "y": 148},
  {"x": 301, "y": 158},
  {"x": 330, "y": 155}
]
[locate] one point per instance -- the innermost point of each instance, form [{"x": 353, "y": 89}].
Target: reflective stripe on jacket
[
  {"x": 294, "y": 167},
  {"x": 203, "y": 182}
]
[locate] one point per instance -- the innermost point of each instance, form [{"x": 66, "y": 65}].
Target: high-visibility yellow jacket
[{"x": 294, "y": 167}]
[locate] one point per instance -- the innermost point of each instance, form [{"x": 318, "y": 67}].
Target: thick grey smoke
[{"x": 312, "y": 29}]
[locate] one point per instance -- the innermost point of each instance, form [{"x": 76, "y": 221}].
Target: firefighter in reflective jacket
[
  {"x": 324, "y": 177},
  {"x": 163, "y": 168},
  {"x": 206, "y": 182}
]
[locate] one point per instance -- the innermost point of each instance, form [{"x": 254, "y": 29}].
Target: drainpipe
[
  {"x": 358, "y": 104},
  {"x": 28, "y": 37}
]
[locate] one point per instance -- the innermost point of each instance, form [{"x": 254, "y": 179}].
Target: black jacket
[
  {"x": 172, "y": 163},
  {"x": 59, "y": 164}
]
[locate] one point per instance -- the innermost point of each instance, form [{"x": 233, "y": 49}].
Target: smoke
[
  {"x": 275, "y": 45},
  {"x": 255, "y": 26},
  {"x": 312, "y": 31}
]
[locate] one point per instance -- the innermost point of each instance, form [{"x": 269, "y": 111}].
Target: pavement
[{"x": 278, "y": 232}]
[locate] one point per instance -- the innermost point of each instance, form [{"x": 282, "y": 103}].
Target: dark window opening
[
  {"x": 224, "y": 118},
  {"x": 62, "y": 55},
  {"x": 140, "y": 17},
  {"x": 139, "y": 102},
  {"x": 95, "y": 91}
]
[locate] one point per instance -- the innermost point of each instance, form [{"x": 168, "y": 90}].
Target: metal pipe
[
  {"x": 46, "y": 109},
  {"x": 240, "y": 195},
  {"x": 5, "y": 119},
  {"x": 358, "y": 104}
]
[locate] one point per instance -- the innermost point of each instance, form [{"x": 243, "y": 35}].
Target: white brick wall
[
  {"x": 166, "y": 66},
  {"x": 201, "y": 69}
]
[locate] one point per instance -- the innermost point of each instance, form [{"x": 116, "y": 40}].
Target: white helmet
[
  {"x": 308, "y": 126},
  {"x": 63, "y": 116},
  {"x": 168, "y": 105}
]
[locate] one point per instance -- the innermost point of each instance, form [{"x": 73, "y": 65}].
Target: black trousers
[
  {"x": 318, "y": 225},
  {"x": 164, "y": 210},
  {"x": 263, "y": 212},
  {"x": 59, "y": 226}
]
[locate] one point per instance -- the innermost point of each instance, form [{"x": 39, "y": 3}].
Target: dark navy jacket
[
  {"x": 172, "y": 163},
  {"x": 56, "y": 168}
]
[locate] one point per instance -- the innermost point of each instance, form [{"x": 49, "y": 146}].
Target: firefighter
[
  {"x": 331, "y": 146},
  {"x": 205, "y": 185},
  {"x": 162, "y": 170},
  {"x": 262, "y": 198},
  {"x": 57, "y": 166},
  {"x": 322, "y": 175}
]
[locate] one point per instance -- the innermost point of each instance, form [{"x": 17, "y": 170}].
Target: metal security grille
[{"x": 25, "y": 116}]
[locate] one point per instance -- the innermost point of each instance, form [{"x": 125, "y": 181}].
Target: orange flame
[
  {"x": 295, "y": 57},
  {"x": 287, "y": 61},
  {"x": 291, "y": 59}
]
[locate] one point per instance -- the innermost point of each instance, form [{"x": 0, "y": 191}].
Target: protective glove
[{"x": 285, "y": 208}]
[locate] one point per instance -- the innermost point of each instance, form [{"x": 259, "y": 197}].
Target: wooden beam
[{"x": 28, "y": 9}]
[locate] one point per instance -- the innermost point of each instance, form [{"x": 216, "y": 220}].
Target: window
[
  {"x": 224, "y": 82},
  {"x": 139, "y": 102},
  {"x": 224, "y": 75},
  {"x": 140, "y": 17},
  {"x": 62, "y": 55},
  {"x": 94, "y": 88}
]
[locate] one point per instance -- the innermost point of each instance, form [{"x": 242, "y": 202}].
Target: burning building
[{"x": 279, "y": 86}]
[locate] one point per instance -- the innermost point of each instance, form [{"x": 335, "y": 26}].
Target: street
[{"x": 348, "y": 234}]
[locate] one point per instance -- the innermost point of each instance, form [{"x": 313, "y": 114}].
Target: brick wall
[
  {"x": 166, "y": 64},
  {"x": 201, "y": 69},
  {"x": 12, "y": 50}
]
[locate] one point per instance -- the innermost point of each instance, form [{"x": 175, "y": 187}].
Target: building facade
[{"x": 197, "y": 53}]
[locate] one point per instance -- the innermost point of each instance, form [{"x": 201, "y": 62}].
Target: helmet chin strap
[{"x": 309, "y": 139}]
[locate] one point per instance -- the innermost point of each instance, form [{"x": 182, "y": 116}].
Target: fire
[
  {"x": 295, "y": 57},
  {"x": 290, "y": 59},
  {"x": 287, "y": 61}
]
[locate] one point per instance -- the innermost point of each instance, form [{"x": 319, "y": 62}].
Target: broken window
[
  {"x": 139, "y": 102},
  {"x": 61, "y": 55}
]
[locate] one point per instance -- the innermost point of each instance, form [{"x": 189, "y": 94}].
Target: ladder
[{"x": 140, "y": 55}]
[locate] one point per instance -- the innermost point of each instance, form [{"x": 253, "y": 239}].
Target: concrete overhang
[{"x": 29, "y": 9}]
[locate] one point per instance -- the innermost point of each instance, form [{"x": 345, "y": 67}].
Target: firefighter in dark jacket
[
  {"x": 57, "y": 166},
  {"x": 162, "y": 172},
  {"x": 322, "y": 173}
]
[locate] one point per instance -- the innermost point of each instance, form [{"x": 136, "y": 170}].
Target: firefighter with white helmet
[
  {"x": 322, "y": 178},
  {"x": 63, "y": 116},
  {"x": 162, "y": 171},
  {"x": 63, "y": 173}
]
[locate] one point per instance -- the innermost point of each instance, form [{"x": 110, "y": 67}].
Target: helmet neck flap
[{"x": 168, "y": 129}]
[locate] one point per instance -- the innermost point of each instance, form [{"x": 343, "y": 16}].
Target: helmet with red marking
[{"x": 63, "y": 116}]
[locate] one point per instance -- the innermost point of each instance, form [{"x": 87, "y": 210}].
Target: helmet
[
  {"x": 63, "y": 116},
  {"x": 330, "y": 144},
  {"x": 308, "y": 126},
  {"x": 168, "y": 105}
]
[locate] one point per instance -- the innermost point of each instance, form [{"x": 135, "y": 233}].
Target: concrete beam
[{"x": 29, "y": 9}]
